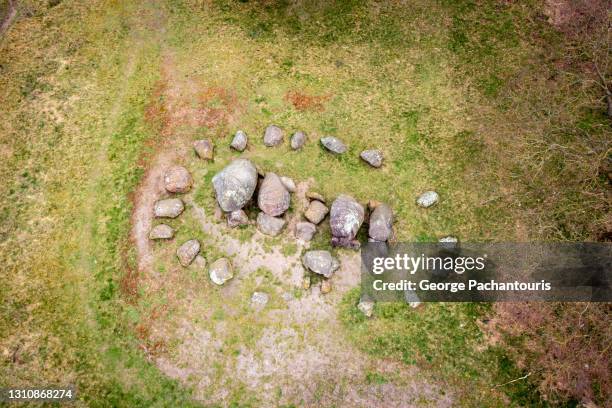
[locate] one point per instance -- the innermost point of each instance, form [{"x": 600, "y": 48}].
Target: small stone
[
  {"x": 204, "y": 149},
  {"x": 316, "y": 212},
  {"x": 366, "y": 307},
  {"x": 237, "y": 218},
  {"x": 161, "y": 231},
  {"x": 305, "y": 230},
  {"x": 289, "y": 184},
  {"x": 168, "y": 208},
  {"x": 326, "y": 286},
  {"x": 312, "y": 195},
  {"x": 273, "y": 136},
  {"x": 269, "y": 225},
  {"x": 373, "y": 157},
  {"x": 259, "y": 300},
  {"x": 199, "y": 262},
  {"x": 427, "y": 199},
  {"x": 333, "y": 144},
  {"x": 187, "y": 252},
  {"x": 220, "y": 271},
  {"x": 321, "y": 262},
  {"x": 297, "y": 140},
  {"x": 239, "y": 142},
  {"x": 273, "y": 197},
  {"x": 306, "y": 282},
  {"x": 412, "y": 299},
  {"x": 235, "y": 184},
  {"x": 177, "y": 179},
  {"x": 381, "y": 223}
]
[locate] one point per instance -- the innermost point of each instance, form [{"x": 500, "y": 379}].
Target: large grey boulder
[
  {"x": 381, "y": 223},
  {"x": 346, "y": 217},
  {"x": 161, "y": 231},
  {"x": 305, "y": 230},
  {"x": 177, "y": 179},
  {"x": 273, "y": 197},
  {"x": 333, "y": 144},
  {"x": 220, "y": 271},
  {"x": 321, "y": 262},
  {"x": 427, "y": 199},
  {"x": 239, "y": 142},
  {"x": 237, "y": 218},
  {"x": 273, "y": 136},
  {"x": 187, "y": 252},
  {"x": 204, "y": 149},
  {"x": 168, "y": 208},
  {"x": 373, "y": 157},
  {"x": 316, "y": 211},
  {"x": 297, "y": 140},
  {"x": 235, "y": 184},
  {"x": 269, "y": 225}
]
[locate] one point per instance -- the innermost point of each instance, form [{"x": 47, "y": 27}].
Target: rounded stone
[
  {"x": 177, "y": 179},
  {"x": 220, "y": 271},
  {"x": 239, "y": 142},
  {"x": 273, "y": 136},
  {"x": 326, "y": 286},
  {"x": 316, "y": 212},
  {"x": 381, "y": 223},
  {"x": 204, "y": 149},
  {"x": 273, "y": 197},
  {"x": 305, "y": 231},
  {"x": 373, "y": 157},
  {"x": 321, "y": 262},
  {"x": 161, "y": 231},
  {"x": 235, "y": 184},
  {"x": 333, "y": 144},
  {"x": 187, "y": 252},
  {"x": 289, "y": 184},
  {"x": 346, "y": 217},
  {"x": 168, "y": 208},
  {"x": 269, "y": 225},
  {"x": 427, "y": 199},
  {"x": 298, "y": 139}
]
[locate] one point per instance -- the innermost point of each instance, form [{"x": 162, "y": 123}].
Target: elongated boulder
[
  {"x": 373, "y": 157},
  {"x": 273, "y": 136},
  {"x": 235, "y": 184},
  {"x": 161, "y": 231},
  {"x": 187, "y": 252},
  {"x": 333, "y": 144},
  {"x": 297, "y": 140},
  {"x": 273, "y": 197},
  {"x": 321, "y": 262},
  {"x": 381, "y": 223},
  {"x": 346, "y": 217},
  {"x": 168, "y": 208}
]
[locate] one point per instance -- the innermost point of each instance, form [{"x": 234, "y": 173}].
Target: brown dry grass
[{"x": 305, "y": 102}]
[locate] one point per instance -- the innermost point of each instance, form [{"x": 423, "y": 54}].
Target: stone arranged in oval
[
  {"x": 177, "y": 179},
  {"x": 381, "y": 223},
  {"x": 269, "y": 225},
  {"x": 333, "y": 144},
  {"x": 161, "y": 231},
  {"x": 187, "y": 252},
  {"x": 316, "y": 212},
  {"x": 346, "y": 217},
  {"x": 235, "y": 184},
  {"x": 168, "y": 208},
  {"x": 239, "y": 142},
  {"x": 273, "y": 136},
  {"x": 321, "y": 262},
  {"x": 298, "y": 139},
  {"x": 427, "y": 199},
  {"x": 204, "y": 149},
  {"x": 373, "y": 157},
  {"x": 273, "y": 197},
  {"x": 305, "y": 231}
]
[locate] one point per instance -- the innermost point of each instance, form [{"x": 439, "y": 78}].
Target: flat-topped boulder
[
  {"x": 427, "y": 199},
  {"x": 204, "y": 149},
  {"x": 373, "y": 157},
  {"x": 235, "y": 184},
  {"x": 273, "y": 197},
  {"x": 161, "y": 231},
  {"x": 346, "y": 217},
  {"x": 305, "y": 231},
  {"x": 168, "y": 208},
  {"x": 321, "y": 262},
  {"x": 187, "y": 252},
  {"x": 333, "y": 144},
  {"x": 269, "y": 225},
  {"x": 220, "y": 271},
  {"x": 316, "y": 212},
  {"x": 381, "y": 223}
]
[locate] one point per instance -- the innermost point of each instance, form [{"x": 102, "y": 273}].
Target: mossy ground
[{"x": 458, "y": 96}]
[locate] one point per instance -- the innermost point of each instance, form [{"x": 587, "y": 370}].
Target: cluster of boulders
[{"x": 242, "y": 183}]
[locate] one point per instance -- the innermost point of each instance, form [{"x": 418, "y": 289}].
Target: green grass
[{"x": 450, "y": 91}]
